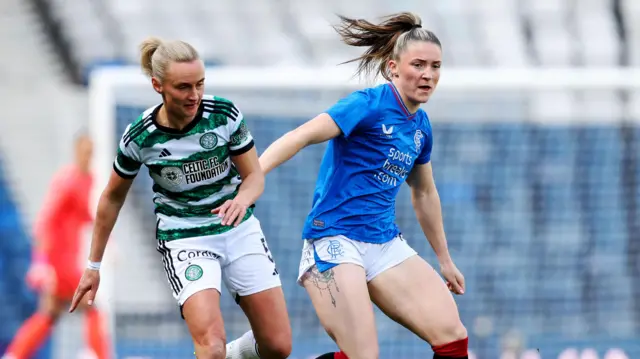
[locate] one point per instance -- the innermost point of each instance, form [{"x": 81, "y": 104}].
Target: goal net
[{"x": 539, "y": 177}]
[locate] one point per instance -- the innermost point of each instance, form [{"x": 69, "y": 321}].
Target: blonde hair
[{"x": 156, "y": 55}]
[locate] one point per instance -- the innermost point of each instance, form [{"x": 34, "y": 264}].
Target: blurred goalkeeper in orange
[{"x": 55, "y": 271}]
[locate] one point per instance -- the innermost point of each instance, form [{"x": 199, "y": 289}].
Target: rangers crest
[{"x": 417, "y": 139}]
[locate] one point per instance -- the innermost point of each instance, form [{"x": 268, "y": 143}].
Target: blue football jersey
[{"x": 363, "y": 168}]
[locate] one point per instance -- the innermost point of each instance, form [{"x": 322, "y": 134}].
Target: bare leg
[{"x": 342, "y": 303}]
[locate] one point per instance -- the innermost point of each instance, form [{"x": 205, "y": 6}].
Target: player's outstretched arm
[
  {"x": 109, "y": 206},
  {"x": 232, "y": 211},
  {"x": 252, "y": 177},
  {"x": 426, "y": 203},
  {"x": 320, "y": 129}
]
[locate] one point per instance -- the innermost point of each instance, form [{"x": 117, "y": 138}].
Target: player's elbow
[
  {"x": 416, "y": 200},
  {"x": 321, "y": 129},
  {"x": 300, "y": 138},
  {"x": 112, "y": 198},
  {"x": 423, "y": 197},
  {"x": 420, "y": 193}
]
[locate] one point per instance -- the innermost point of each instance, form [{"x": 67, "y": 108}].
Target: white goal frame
[{"x": 104, "y": 82}]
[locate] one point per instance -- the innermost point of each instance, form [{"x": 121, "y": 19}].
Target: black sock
[{"x": 436, "y": 356}]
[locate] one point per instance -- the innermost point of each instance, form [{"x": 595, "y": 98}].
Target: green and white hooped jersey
[{"x": 191, "y": 169}]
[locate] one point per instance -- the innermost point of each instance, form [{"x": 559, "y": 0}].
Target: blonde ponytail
[{"x": 156, "y": 55}]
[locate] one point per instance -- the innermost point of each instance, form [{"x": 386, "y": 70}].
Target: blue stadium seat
[{"x": 17, "y": 301}]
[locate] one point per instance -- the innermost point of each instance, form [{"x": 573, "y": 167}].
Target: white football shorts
[
  {"x": 240, "y": 257},
  {"x": 375, "y": 258}
]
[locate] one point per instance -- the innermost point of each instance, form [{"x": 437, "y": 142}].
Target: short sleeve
[
  {"x": 351, "y": 111},
  {"x": 127, "y": 162},
  {"x": 240, "y": 139},
  {"x": 427, "y": 145}
]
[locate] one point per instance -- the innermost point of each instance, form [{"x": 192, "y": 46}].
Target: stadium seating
[
  {"x": 489, "y": 32},
  {"x": 14, "y": 257},
  {"x": 16, "y": 300}
]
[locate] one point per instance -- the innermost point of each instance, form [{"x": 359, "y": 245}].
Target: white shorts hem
[
  {"x": 258, "y": 289},
  {"x": 311, "y": 265},
  {"x": 375, "y": 258},
  {"x": 390, "y": 265},
  {"x": 186, "y": 295}
]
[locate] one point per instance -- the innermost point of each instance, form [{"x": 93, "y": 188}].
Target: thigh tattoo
[{"x": 324, "y": 281}]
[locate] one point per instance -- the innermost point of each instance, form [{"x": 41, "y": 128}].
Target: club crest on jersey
[
  {"x": 209, "y": 140},
  {"x": 417, "y": 140},
  {"x": 172, "y": 176}
]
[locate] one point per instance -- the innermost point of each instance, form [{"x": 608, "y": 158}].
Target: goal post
[{"x": 537, "y": 177}]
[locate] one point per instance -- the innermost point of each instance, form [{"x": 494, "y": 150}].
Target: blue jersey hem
[{"x": 317, "y": 236}]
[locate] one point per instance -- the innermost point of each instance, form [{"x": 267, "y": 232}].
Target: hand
[
  {"x": 231, "y": 212},
  {"x": 88, "y": 285},
  {"x": 41, "y": 276},
  {"x": 453, "y": 277}
]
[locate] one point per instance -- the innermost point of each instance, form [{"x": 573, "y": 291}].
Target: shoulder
[
  {"x": 220, "y": 110},
  {"x": 423, "y": 120},
  {"x": 63, "y": 173},
  {"x": 365, "y": 101},
  {"x": 213, "y": 100},
  {"x": 220, "y": 105},
  {"x": 373, "y": 96},
  {"x": 140, "y": 128},
  {"x": 64, "y": 176}
]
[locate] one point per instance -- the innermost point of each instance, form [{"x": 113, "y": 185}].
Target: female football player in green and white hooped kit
[{"x": 206, "y": 174}]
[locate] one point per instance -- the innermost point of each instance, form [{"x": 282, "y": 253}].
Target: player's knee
[
  {"x": 210, "y": 346},
  {"x": 277, "y": 346},
  {"x": 457, "y": 346},
  {"x": 212, "y": 350},
  {"x": 450, "y": 332},
  {"x": 52, "y": 316},
  {"x": 459, "y": 332},
  {"x": 50, "y": 309},
  {"x": 51, "y": 313}
]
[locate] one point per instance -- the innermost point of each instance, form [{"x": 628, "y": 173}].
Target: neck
[
  {"x": 167, "y": 120},
  {"x": 411, "y": 106},
  {"x": 83, "y": 168}
]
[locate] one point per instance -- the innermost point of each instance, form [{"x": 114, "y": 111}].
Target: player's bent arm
[
  {"x": 320, "y": 129},
  {"x": 109, "y": 206},
  {"x": 252, "y": 177},
  {"x": 426, "y": 203}
]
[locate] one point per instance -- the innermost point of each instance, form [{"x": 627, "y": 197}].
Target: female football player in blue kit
[{"x": 353, "y": 251}]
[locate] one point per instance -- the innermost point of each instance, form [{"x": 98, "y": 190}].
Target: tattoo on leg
[{"x": 324, "y": 281}]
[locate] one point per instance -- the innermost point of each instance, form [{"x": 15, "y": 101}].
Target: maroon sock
[{"x": 457, "y": 350}]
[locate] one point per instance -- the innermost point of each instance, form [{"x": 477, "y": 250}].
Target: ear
[
  {"x": 157, "y": 85},
  {"x": 393, "y": 68}
]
